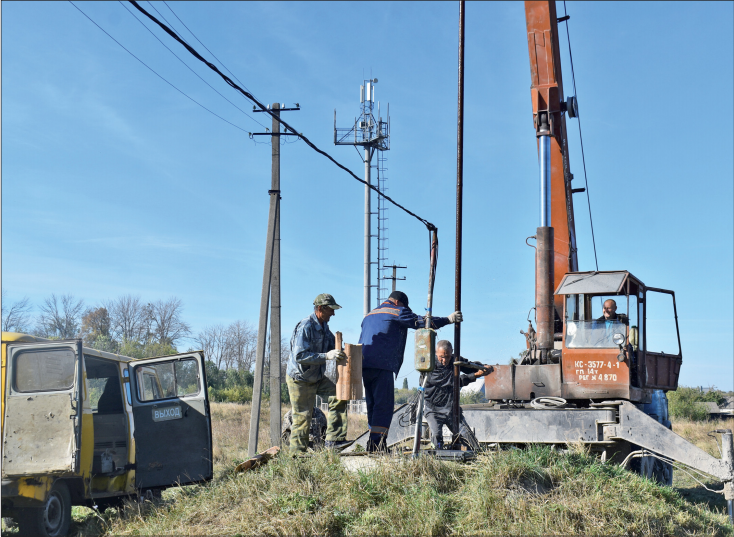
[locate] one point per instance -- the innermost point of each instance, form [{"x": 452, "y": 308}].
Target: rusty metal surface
[
  {"x": 544, "y": 286},
  {"x": 594, "y": 374},
  {"x": 663, "y": 370},
  {"x": 523, "y": 382},
  {"x": 525, "y": 425}
]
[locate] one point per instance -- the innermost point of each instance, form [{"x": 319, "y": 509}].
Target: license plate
[{"x": 167, "y": 413}]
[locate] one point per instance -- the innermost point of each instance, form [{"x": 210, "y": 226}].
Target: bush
[
  {"x": 472, "y": 398},
  {"x": 682, "y": 403},
  {"x": 234, "y": 394},
  {"x": 402, "y": 395}
]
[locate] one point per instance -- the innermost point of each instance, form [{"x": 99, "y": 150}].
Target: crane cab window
[{"x": 594, "y": 321}]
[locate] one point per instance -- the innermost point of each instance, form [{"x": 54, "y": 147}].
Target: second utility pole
[{"x": 270, "y": 290}]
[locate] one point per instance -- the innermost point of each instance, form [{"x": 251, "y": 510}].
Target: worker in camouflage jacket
[
  {"x": 439, "y": 393},
  {"x": 384, "y": 333},
  {"x": 312, "y": 344}
]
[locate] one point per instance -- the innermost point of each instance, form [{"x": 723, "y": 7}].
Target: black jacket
[{"x": 440, "y": 385}]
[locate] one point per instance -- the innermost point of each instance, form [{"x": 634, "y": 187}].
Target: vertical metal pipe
[
  {"x": 367, "y": 229},
  {"x": 459, "y": 213},
  {"x": 275, "y": 422},
  {"x": 545, "y": 181},
  {"x": 544, "y": 308},
  {"x": 419, "y": 417}
]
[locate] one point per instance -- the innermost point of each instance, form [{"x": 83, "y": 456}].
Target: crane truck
[{"x": 594, "y": 371}]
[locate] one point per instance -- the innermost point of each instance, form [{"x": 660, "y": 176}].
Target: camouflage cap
[{"x": 325, "y": 299}]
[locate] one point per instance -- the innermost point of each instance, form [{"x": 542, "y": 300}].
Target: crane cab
[{"x": 618, "y": 339}]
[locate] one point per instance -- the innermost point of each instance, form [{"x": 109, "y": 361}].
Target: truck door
[
  {"x": 663, "y": 356},
  {"x": 173, "y": 439},
  {"x": 44, "y": 390}
]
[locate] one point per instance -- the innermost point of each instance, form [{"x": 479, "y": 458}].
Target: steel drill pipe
[{"x": 459, "y": 212}]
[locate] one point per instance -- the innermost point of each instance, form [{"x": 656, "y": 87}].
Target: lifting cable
[
  {"x": 578, "y": 118},
  {"x": 286, "y": 126}
]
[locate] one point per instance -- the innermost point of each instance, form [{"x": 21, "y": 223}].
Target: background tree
[
  {"x": 16, "y": 318},
  {"x": 167, "y": 325},
  {"x": 127, "y": 317},
  {"x": 60, "y": 317},
  {"x": 214, "y": 341},
  {"x": 242, "y": 339},
  {"x": 95, "y": 323},
  {"x": 405, "y": 383}
]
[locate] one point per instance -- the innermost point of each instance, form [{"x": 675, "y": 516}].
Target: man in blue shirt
[
  {"x": 312, "y": 344},
  {"x": 384, "y": 333}
]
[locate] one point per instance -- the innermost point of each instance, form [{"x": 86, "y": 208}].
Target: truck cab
[
  {"x": 617, "y": 339},
  {"x": 87, "y": 427}
]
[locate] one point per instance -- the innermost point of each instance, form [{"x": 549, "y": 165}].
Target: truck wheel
[{"x": 50, "y": 520}]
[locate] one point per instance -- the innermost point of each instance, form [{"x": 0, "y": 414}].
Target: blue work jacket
[
  {"x": 385, "y": 331},
  {"x": 309, "y": 344}
]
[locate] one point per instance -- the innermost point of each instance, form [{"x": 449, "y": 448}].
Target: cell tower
[{"x": 374, "y": 135}]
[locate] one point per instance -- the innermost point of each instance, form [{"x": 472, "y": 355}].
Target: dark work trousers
[
  {"x": 380, "y": 395},
  {"x": 437, "y": 418}
]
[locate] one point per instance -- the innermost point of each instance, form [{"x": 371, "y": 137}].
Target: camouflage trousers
[{"x": 303, "y": 398}]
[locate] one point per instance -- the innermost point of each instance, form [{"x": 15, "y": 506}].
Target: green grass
[
  {"x": 515, "y": 492},
  {"x": 537, "y": 491}
]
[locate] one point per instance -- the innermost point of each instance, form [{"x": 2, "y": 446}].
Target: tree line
[{"x": 131, "y": 326}]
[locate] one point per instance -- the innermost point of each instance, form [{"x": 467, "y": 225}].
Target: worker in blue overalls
[{"x": 384, "y": 333}]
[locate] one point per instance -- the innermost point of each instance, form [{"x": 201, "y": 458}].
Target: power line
[
  {"x": 165, "y": 19},
  {"x": 154, "y": 72},
  {"x": 189, "y": 67},
  {"x": 203, "y": 45},
  {"x": 286, "y": 126},
  {"x": 578, "y": 118}
]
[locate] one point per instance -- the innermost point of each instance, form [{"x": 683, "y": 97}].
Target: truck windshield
[{"x": 593, "y": 334}]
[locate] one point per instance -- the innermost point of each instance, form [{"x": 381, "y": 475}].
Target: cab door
[
  {"x": 42, "y": 433},
  {"x": 663, "y": 355},
  {"x": 173, "y": 438}
]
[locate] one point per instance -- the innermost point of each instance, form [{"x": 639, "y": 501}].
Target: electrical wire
[
  {"x": 154, "y": 72},
  {"x": 161, "y": 15},
  {"x": 187, "y": 65},
  {"x": 578, "y": 118},
  {"x": 203, "y": 45},
  {"x": 286, "y": 126}
]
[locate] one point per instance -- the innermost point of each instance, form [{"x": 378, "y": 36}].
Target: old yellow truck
[{"x": 86, "y": 427}]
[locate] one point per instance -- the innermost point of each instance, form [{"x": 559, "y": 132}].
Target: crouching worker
[
  {"x": 312, "y": 344},
  {"x": 439, "y": 395}
]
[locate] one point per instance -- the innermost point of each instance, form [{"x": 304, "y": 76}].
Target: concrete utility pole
[
  {"x": 275, "y": 293},
  {"x": 270, "y": 289}
]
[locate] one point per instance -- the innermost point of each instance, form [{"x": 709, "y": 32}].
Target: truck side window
[{"x": 45, "y": 370}]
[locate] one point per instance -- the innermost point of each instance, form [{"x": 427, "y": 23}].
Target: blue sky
[{"x": 115, "y": 183}]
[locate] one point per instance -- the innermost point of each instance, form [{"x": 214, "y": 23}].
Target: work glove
[
  {"x": 335, "y": 354},
  {"x": 456, "y": 317}
]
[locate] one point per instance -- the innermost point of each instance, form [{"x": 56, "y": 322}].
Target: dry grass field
[{"x": 536, "y": 491}]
